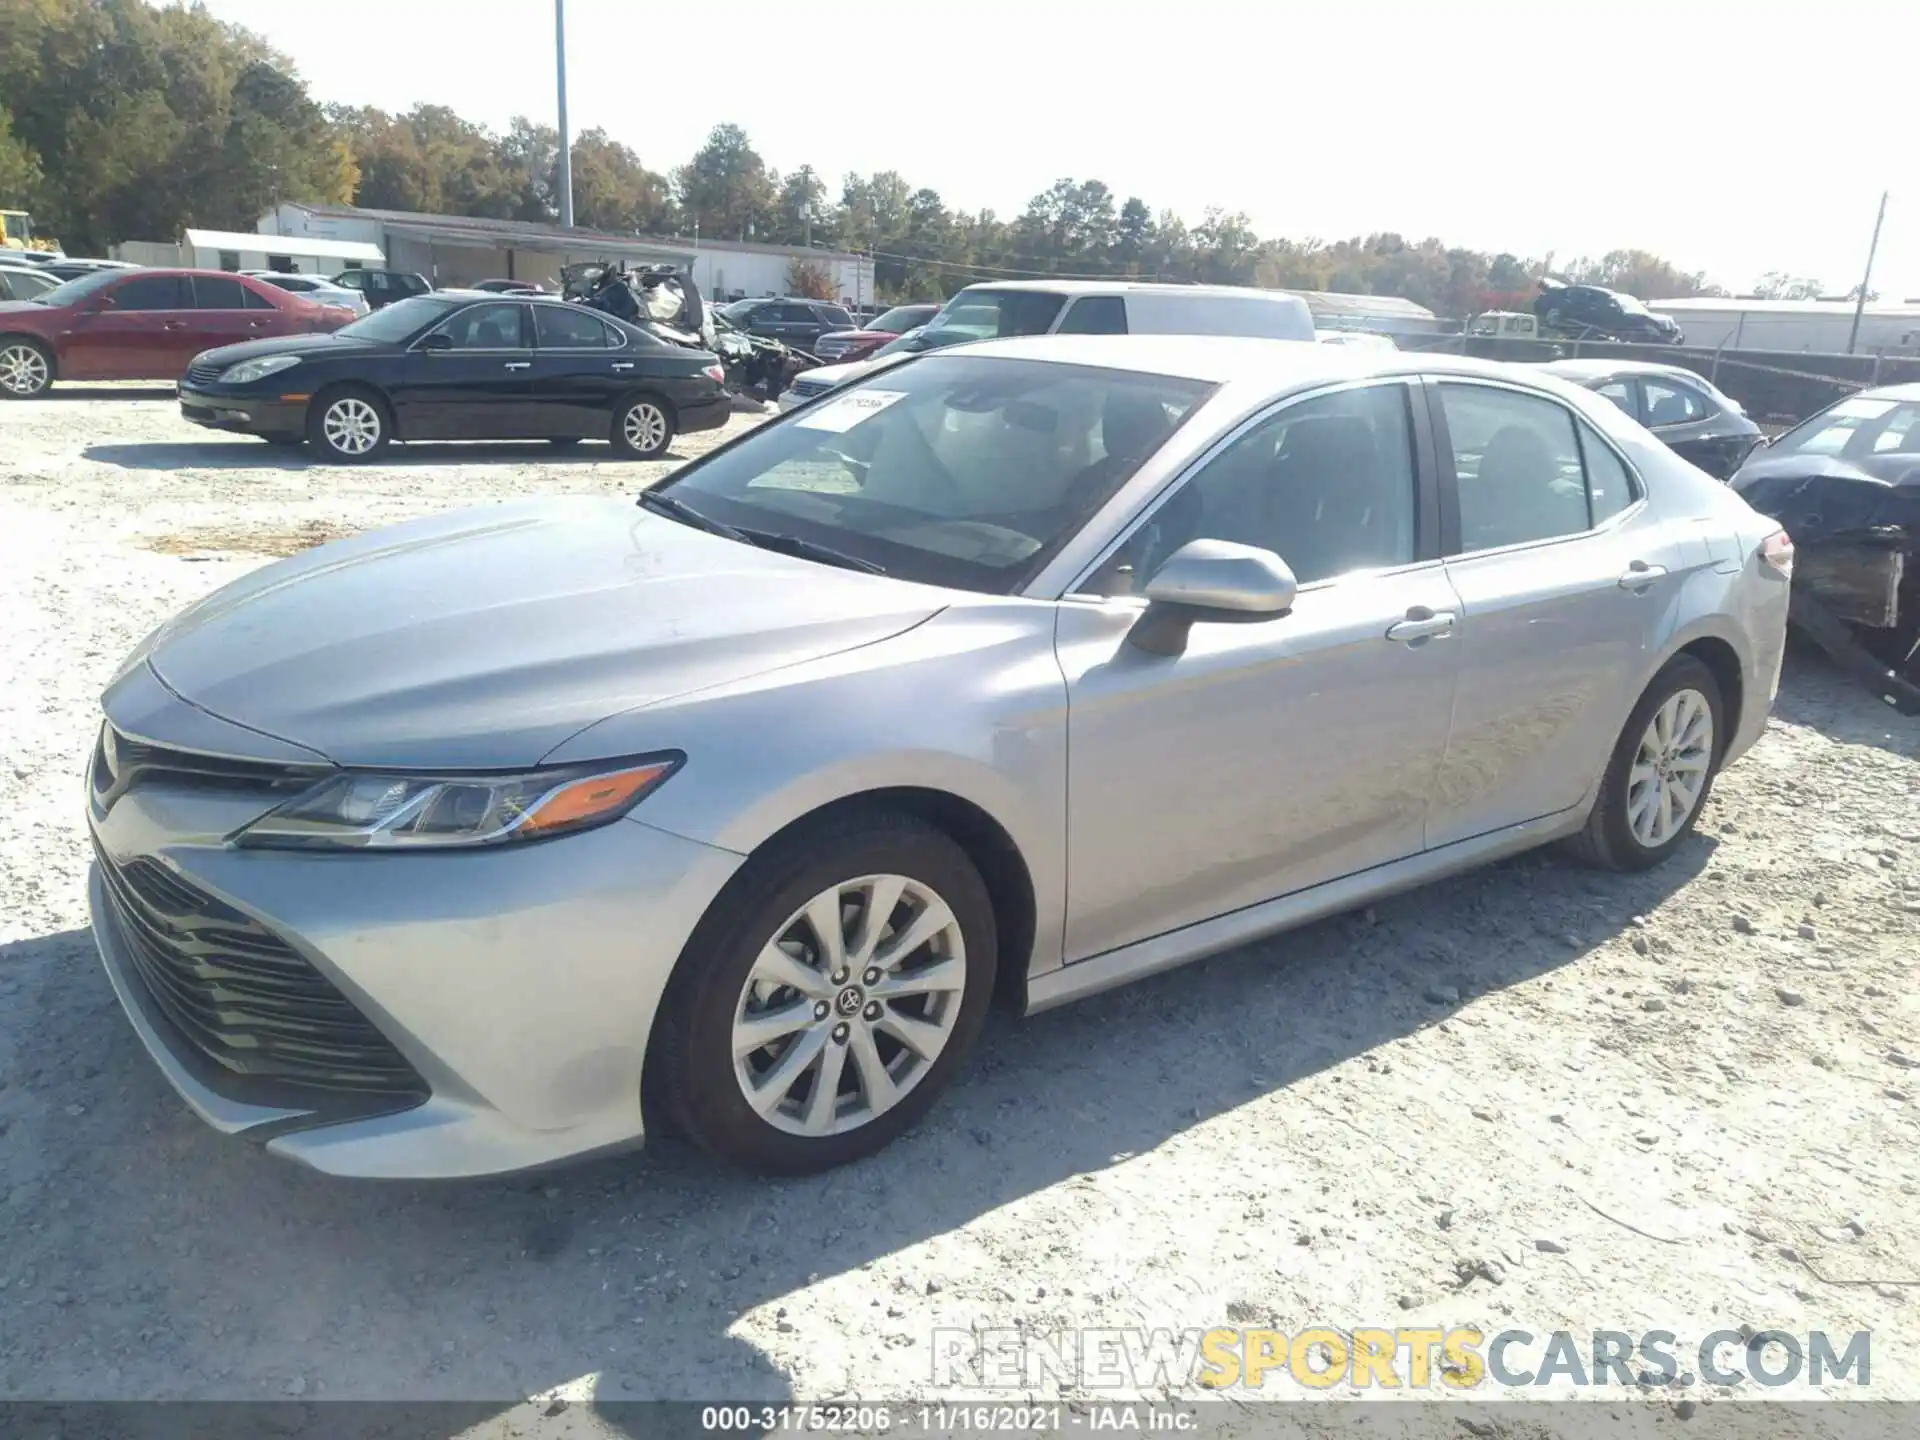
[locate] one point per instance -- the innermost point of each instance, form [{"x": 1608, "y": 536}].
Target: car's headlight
[
  {"x": 247, "y": 371},
  {"x": 361, "y": 811}
]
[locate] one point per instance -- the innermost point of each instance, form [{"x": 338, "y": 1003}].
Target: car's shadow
[
  {"x": 103, "y": 391},
  {"x": 257, "y": 455},
  {"x": 636, "y": 1269}
]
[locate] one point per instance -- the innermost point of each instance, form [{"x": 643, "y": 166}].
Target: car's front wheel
[
  {"x": 830, "y": 996},
  {"x": 1660, "y": 773},
  {"x": 643, "y": 428},
  {"x": 26, "y": 369},
  {"x": 348, "y": 424}
]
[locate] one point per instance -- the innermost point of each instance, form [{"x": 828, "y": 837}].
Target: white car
[{"x": 316, "y": 288}]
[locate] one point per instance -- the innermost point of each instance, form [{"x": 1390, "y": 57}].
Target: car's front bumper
[
  {"x": 520, "y": 983},
  {"x": 250, "y": 414}
]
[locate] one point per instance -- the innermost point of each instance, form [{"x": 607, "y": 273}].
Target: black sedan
[
  {"x": 1595, "y": 311},
  {"x": 1684, "y": 412},
  {"x": 459, "y": 365}
]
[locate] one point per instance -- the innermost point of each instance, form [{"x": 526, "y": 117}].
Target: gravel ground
[{"x": 1534, "y": 1097}]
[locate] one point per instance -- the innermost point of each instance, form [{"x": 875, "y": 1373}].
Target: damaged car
[
  {"x": 1846, "y": 485},
  {"x": 664, "y": 301}
]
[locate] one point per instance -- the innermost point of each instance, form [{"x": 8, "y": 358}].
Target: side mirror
[
  {"x": 1211, "y": 580},
  {"x": 439, "y": 340}
]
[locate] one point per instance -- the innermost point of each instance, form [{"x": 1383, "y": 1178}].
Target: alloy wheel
[
  {"x": 351, "y": 425},
  {"x": 645, "y": 426},
  {"x": 849, "y": 1004},
  {"x": 1670, "y": 769},
  {"x": 23, "y": 370}
]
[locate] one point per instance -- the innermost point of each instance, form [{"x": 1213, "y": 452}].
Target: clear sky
[{"x": 1734, "y": 139}]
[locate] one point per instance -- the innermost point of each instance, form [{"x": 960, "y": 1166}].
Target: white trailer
[{"x": 1816, "y": 326}]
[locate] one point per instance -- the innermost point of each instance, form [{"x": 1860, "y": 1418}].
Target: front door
[
  {"x": 1274, "y": 755},
  {"x": 479, "y": 386},
  {"x": 138, "y": 329},
  {"x": 1566, "y": 579}
]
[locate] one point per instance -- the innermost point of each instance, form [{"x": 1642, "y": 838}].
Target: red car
[
  {"x": 843, "y": 347},
  {"x": 142, "y": 325}
]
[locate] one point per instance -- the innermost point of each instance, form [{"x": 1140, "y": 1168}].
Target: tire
[
  {"x": 831, "y": 1027},
  {"x": 1612, "y": 839},
  {"x": 643, "y": 427},
  {"x": 342, "y": 414},
  {"x": 26, "y": 368}
]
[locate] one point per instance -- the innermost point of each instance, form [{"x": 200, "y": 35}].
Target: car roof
[
  {"x": 1583, "y": 370},
  {"x": 1125, "y": 287},
  {"x": 1219, "y": 359}
]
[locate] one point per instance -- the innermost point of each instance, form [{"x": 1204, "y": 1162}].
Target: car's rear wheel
[
  {"x": 348, "y": 424},
  {"x": 26, "y": 369},
  {"x": 643, "y": 427},
  {"x": 1660, "y": 773},
  {"x": 830, "y": 995}
]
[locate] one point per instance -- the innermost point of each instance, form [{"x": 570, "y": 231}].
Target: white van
[{"x": 1081, "y": 307}]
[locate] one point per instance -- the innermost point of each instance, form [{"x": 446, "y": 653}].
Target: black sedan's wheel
[
  {"x": 348, "y": 424},
  {"x": 830, "y": 995},
  {"x": 1660, "y": 773},
  {"x": 26, "y": 369},
  {"x": 643, "y": 427}
]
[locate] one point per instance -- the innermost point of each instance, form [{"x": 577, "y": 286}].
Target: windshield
[
  {"x": 899, "y": 320},
  {"x": 1631, "y": 305},
  {"x": 399, "y": 320},
  {"x": 77, "y": 288},
  {"x": 901, "y": 344},
  {"x": 958, "y": 471},
  {"x": 996, "y": 314},
  {"x": 1855, "y": 429}
]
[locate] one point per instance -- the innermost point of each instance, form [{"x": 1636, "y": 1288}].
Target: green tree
[{"x": 726, "y": 189}]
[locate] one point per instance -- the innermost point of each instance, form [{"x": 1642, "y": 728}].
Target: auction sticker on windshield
[{"x": 849, "y": 410}]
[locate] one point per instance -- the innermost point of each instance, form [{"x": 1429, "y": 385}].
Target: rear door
[
  {"x": 1692, "y": 426},
  {"x": 580, "y": 367},
  {"x": 223, "y": 315},
  {"x": 479, "y": 387},
  {"x": 1565, "y": 576},
  {"x": 139, "y": 329}
]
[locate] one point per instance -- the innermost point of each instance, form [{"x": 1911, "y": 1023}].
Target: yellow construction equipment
[{"x": 16, "y": 233}]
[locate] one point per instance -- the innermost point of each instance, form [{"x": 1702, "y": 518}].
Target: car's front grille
[
  {"x": 804, "y": 387},
  {"x": 201, "y": 373},
  {"x": 121, "y": 764},
  {"x": 245, "y": 1000}
]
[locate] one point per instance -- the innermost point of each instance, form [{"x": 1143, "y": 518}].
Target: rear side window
[
  {"x": 1517, "y": 467},
  {"x": 1620, "y": 392},
  {"x": 151, "y": 292},
  {"x": 1611, "y": 487},
  {"x": 1672, "y": 403},
  {"x": 254, "y": 300},
  {"x": 563, "y": 329},
  {"x": 1095, "y": 315},
  {"x": 218, "y": 293}
]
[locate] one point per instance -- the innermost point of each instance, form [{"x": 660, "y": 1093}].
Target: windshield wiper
[
  {"x": 807, "y": 550},
  {"x": 679, "y": 510}
]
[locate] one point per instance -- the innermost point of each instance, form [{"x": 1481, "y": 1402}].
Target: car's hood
[
  {"x": 325, "y": 344},
  {"x": 483, "y": 638},
  {"x": 1821, "y": 496}
]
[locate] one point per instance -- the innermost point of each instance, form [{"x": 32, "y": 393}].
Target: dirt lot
[{"x": 1534, "y": 1097}]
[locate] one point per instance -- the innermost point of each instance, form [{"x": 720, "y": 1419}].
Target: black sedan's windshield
[
  {"x": 952, "y": 470},
  {"x": 400, "y": 319}
]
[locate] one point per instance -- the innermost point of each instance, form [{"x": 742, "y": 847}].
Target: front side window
[
  {"x": 151, "y": 292},
  {"x": 487, "y": 327},
  {"x": 561, "y": 328},
  {"x": 1517, "y": 467},
  {"x": 949, "y": 470},
  {"x": 835, "y": 316},
  {"x": 1096, "y": 315},
  {"x": 1671, "y": 403},
  {"x": 1327, "y": 484}
]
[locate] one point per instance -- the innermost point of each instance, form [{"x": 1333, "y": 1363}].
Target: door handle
[
  {"x": 1422, "y": 625},
  {"x": 623, "y": 364},
  {"x": 518, "y": 364},
  {"x": 174, "y": 325},
  {"x": 1640, "y": 575}
]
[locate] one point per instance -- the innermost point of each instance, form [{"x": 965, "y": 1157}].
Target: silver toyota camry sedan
[{"x": 1012, "y": 673}]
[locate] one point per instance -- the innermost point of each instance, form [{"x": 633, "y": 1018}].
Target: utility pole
[
  {"x": 560, "y": 67},
  {"x": 1867, "y": 279}
]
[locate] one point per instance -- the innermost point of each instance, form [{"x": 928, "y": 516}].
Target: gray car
[
  {"x": 1684, "y": 410},
  {"x": 1013, "y": 672}
]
